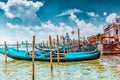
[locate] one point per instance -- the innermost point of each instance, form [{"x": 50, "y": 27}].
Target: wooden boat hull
[
  {"x": 62, "y": 59},
  {"x": 65, "y": 50},
  {"x": 22, "y": 55},
  {"x": 42, "y": 56}
]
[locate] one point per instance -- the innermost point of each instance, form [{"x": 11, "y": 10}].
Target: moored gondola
[{"x": 44, "y": 56}]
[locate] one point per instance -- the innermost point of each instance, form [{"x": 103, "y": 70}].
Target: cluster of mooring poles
[{"x": 50, "y": 44}]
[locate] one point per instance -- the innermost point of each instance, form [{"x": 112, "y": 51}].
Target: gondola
[
  {"x": 44, "y": 56},
  {"x": 64, "y": 49}
]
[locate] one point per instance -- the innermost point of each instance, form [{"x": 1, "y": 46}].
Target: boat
[
  {"x": 64, "y": 49},
  {"x": 45, "y": 56},
  {"x": 2, "y": 50}
]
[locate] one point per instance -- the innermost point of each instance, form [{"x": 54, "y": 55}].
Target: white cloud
[
  {"x": 23, "y": 9},
  {"x": 105, "y": 13},
  {"x": 12, "y": 26},
  {"x": 21, "y": 27},
  {"x": 13, "y": 35},
  {"x": 111, "y": 18},
  {"x": 92, "y": 14},
  {"x": 86, "y": 29},
  {"x": 22, "y": 33},
  {"x": 49, "y": 28},
  {"x": 68, "y": 12},
  {"x": 2, "y": 4}
]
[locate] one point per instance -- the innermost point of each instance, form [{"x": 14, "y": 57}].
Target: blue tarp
[
  {"x": 75, "y": 55},
  {"x": 71, "y": 56},
  {"x": 22, "y": 53}
]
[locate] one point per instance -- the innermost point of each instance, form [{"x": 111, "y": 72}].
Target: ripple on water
[{"x": 84, "y": 70}]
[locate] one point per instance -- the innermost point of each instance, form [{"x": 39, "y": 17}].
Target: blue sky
[{"x": 20, "y": 19}]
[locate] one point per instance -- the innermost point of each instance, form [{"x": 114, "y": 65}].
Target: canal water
[
  {"x": 105, "y": 68},
  {"x": 101, "y": 69}
]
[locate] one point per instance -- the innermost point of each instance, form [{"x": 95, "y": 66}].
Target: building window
[{"x": 117, "y": 31}]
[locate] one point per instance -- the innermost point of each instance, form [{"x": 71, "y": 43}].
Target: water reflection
[
  {"x": 51, "y": 75},
  {"x": 84, "y": 70}
]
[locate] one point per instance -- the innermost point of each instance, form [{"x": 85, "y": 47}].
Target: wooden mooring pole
[
  {"x": 101, "y": 48},
  {"x": 17, "y": 46},
  {"x": 79, "y": 38},
  {"x": 67, "y": 47},
  {"x": 33, "y": 54},
  {"x": 73, "y": 45},
  {"x": 58, "y": 55},
  {"x": 51, "y": 66},
  {"x": 43, "y": 44},
  {"x": 5, "y": 48},
  {"x": 54, "y": 43},
  {"x": 47, "y": 43},
  {"x": 64, "y": 44},
  {"x": 27, "y": 46}
]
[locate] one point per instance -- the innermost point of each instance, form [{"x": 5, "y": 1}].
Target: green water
[{"x": 85, "y": 70}]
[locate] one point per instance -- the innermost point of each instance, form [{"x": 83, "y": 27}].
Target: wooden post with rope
[
  {"x": 33, "y": 54},
  {"x": 51, "y": 66},
  {"x": 5, "y": 48},
  {"x": 58, "y": 54}
]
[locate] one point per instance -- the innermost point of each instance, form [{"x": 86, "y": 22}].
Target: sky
[{"x": 21, "y": 19}]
